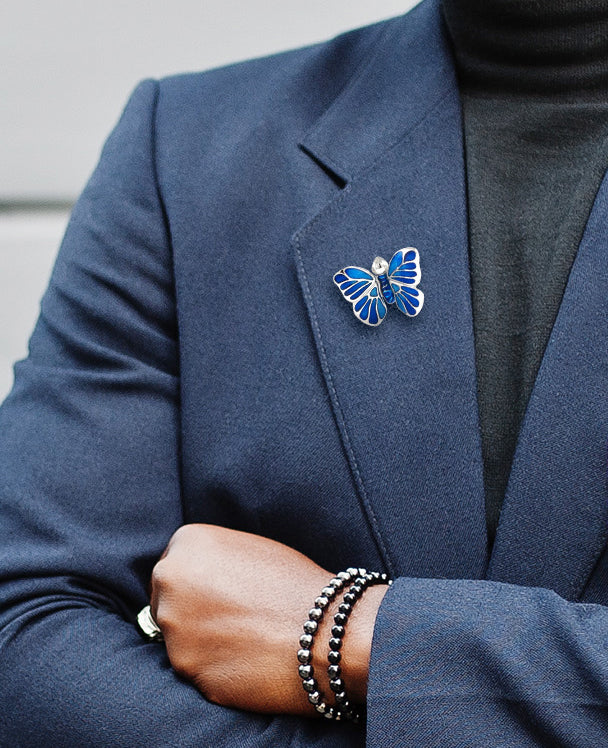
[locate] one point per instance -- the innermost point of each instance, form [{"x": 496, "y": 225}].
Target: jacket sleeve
[
  {"x": 476, "y": 663},
  {"x": 89, "y": 486}
]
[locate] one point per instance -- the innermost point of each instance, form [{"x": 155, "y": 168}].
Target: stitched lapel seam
[{"x": 369, "y": 512}]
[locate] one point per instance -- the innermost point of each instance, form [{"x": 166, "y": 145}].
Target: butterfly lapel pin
[{"x": 396, "y": 282}]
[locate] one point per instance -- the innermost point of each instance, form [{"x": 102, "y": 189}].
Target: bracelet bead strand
[
  {"x": 362, "y": 581},
  {"x": 357, "y": 579},
  {"x": 311, "y": 626}
]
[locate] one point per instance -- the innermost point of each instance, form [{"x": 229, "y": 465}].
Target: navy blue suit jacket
[{"x": 194, "y": 362}]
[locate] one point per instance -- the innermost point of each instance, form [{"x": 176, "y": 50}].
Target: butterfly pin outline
[{"x": 371, "y": 292}]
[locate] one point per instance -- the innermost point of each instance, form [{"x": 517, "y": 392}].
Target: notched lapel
[
  {"x": 555, "y": 516},
  {"x": 404, "y": 394}
]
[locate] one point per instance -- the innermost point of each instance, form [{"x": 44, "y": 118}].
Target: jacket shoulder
[{"x": 296, "y": 86}]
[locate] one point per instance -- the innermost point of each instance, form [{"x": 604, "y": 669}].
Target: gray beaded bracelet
[{"x": 360, "y": 580}]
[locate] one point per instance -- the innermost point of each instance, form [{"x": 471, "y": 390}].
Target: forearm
[{"x": 78, "y": 676}]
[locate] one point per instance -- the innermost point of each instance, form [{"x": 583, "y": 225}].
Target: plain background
[{"x": 66, "y": 70}]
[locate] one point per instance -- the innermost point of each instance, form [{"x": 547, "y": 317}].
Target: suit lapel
[
  {"x": 404, "y": 394},
  {"x": 555, "y": 516}
]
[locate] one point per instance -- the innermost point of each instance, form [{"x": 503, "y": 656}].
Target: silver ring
[{"x": 148, "y": 625}]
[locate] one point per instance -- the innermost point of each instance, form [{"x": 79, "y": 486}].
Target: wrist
[
  {"x": 335, "y": 634},
  {"x": 356, "y": 652}
]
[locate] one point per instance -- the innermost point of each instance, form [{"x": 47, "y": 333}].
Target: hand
[{"x": 231, "y": 607}]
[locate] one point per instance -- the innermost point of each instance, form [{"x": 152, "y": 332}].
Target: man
[{"x": 194, "y": 364}]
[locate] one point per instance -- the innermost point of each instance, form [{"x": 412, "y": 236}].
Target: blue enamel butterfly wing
[
  {"x": 359, "y": 286},
  {"x": 371, "y": 292},
  {"x": 404, "y": 276}
]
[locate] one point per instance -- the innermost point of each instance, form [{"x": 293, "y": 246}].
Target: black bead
[
  {"x": 349, "y": 598},
  {"x": 306, "y": 641},
  {"x": 336, "y": 583},
  {"x": 314, "y": 697},
  {"x": 337, "y": 631},
  {"x": 315, "y": 614},
  {"x": 340, "y": 619},
  {"x": 356, "y": 589},
  {"x": 341, "y": 698},
  {"x": 304, "y": 656},
  {"x": 336, "y": 685},
  {"x": 345, "y": 608},
  {"x": 345, "y": 576},
  {"x": 321, "y": 602},
  {"x": 335, "y": 643},
  {"x": 334, "y": 657},
  {"x": 322, "y": 708},
  {"x": 306, "y": 671},
  {"x": 309, "y": 685},
  {"x": 334, "y": 671},
  {"x": 328, "y": 592},
  {"x": 352, "y": 571},
  {"x": 310, "y": 627}
]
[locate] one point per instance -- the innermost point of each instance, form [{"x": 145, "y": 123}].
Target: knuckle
[
  {"x": 211, "y": 688},
  {"x": 161, "y": 598},
  {"x": 164, "y": 618},
  {"x": 160, "y": 575},
  {"x": 182, "y": 662},
  {"x": 181, "y": 535}
]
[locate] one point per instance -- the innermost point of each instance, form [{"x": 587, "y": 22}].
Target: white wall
[
  {"x": 66, "y": 68},
  {"x": 28, "y": 241}
]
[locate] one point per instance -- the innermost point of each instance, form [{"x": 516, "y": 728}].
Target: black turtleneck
[{"x": 534, "y": 83}]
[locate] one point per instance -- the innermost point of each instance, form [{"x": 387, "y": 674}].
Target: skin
[{"x": 231, "y": 607}]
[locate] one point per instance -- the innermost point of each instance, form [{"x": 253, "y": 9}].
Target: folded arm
[
  {"x": 90, "y": 490},
  {"x": 475, "y": 663},
  {"x": 454, "y": 662}
]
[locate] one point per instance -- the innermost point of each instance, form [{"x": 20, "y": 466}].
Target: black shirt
[{"x": 534, "y": 84}]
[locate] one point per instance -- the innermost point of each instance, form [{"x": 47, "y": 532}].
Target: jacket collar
[{"x": 408, "y": 72}]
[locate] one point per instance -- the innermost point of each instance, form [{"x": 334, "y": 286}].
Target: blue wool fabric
[{"x": 194, "y": 362}]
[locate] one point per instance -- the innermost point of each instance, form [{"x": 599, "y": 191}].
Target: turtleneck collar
[{"x": 537, "y": 47}]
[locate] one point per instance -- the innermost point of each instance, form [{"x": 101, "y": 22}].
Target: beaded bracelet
[
  {"x": 311, "y": 626},
  {"x": 334, "y": 657},
  {"x": 361, "y": 579}
]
